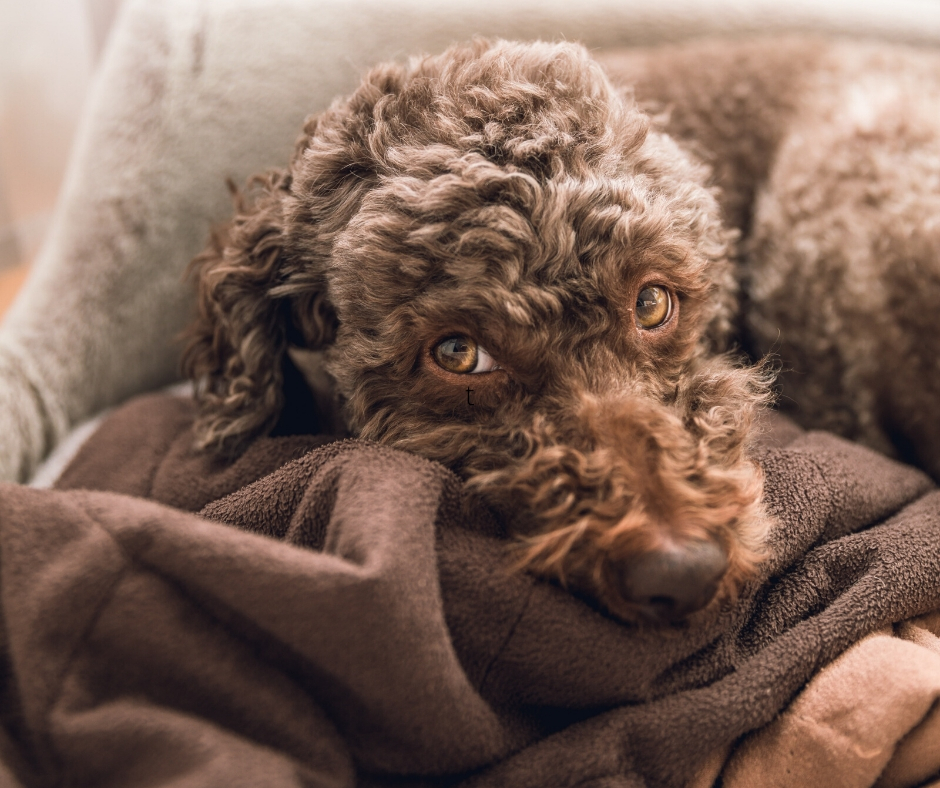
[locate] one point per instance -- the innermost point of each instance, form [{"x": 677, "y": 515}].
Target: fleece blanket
[
  {"x": 190, "y": 94},
  {"x": 340, "y": 613}
]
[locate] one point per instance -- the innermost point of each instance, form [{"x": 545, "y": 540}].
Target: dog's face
[{"x": 509, "y": 272}]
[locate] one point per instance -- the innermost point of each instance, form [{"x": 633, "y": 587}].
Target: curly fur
[{"x": 511, "y": 193}]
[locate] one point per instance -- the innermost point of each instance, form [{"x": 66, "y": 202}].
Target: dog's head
[{"x": 506, "y": 269}]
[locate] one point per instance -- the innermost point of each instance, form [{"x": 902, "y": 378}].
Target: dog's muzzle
[{"x": 631, "y": 505}]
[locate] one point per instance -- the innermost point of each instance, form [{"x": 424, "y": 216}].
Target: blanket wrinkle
[
  {"x": 345, "y": 616},
  {"x": 827, "y": 737},
  {"x": 379, "y": 567}
]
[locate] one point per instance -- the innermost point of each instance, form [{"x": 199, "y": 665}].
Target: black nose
[{"x": 671, "y": 583}]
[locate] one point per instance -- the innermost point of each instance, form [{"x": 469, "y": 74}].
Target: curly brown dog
[{"x": 499, "y": 260}]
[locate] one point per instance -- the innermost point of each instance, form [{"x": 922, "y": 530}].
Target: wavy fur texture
[{"x": 509, "y": 193}]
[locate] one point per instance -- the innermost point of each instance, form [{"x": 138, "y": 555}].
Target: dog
[{"x": 543, "y": 272}]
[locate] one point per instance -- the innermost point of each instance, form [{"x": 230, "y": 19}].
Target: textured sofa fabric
[{"x": 192, "y": 93}]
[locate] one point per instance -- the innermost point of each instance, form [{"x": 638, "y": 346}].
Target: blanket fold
[{"x": 341, "y": 613}]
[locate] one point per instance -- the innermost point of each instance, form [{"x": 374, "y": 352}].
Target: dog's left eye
[
  {"x": 653, "y": 306},
  {"x": 463, "y": 356}
]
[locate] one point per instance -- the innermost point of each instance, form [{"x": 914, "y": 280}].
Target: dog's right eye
[{"x": 463, "y": 356}]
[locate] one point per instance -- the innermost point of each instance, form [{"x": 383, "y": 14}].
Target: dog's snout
[{"x": 670, "y": 583}]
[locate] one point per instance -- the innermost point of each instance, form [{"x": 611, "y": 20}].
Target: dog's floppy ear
[{"x": 236, "y": 345}]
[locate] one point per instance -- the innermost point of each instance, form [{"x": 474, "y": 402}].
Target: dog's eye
[
  {"x": 653, "y": 306},
  {"x": 463, "y": 356}
]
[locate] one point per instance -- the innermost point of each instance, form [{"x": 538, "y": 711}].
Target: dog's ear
[{"x": 236, "y": 345}]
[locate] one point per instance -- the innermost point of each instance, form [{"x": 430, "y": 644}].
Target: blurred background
[{"x": 48, "y": 53}]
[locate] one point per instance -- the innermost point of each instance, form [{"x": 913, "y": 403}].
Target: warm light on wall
[{"x": 48, "y": 52}]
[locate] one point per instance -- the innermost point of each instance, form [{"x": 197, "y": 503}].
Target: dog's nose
[{"x": 671, "y": 583}]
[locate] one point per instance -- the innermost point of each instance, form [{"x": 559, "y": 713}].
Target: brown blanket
[{"x": 378, "y": 638}]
